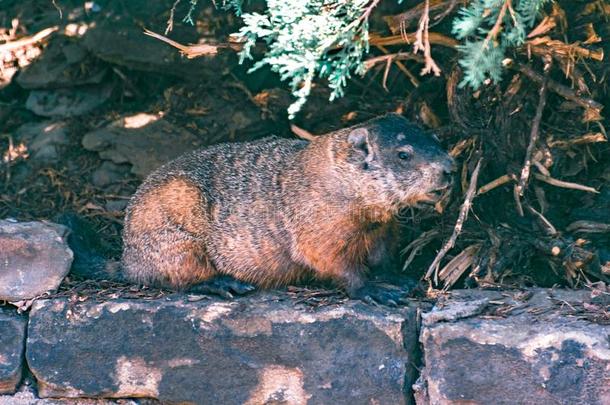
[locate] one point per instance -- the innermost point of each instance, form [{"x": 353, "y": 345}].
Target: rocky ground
[{"x": 529, "y": 346}]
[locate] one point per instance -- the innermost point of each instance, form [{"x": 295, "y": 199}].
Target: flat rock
[
  {"x": 43, "y": 139},
  {"x": 109, "y": 173},
  {"x": 146, "y": 141},
  {"x": 538, "y": 347},
  {"x": 34, "y": 258},
  {"x": 63, "y": 64},
  {"x": 12, "y": 341},
  {"x": 27, "y": 396},
  {"x": 259, "y": 349},
  {"x": 68, "y": 102},
  {"x": 123, "y": 43},
  {"x": 116, "y": 205}
]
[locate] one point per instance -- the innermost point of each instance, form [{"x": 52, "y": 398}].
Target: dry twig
[
  {"x": 20, "y": 43},
  {"x": 496, "y": 183},
  {"x": 417, "y": 245},
  {"x": 495, "y": 30},
  {"x": 397, "y": 23},
  {"x": 453, "y": 270},
  {"x": 365, "y": 15},
  {"x": 470, "y": 194},
  {"x": 544, "y": 222},
  {"x": 590, "y": 137},
  {"x": 190, "y": 51},
  {"x": 394, "y": 57},
  {"x": 369, "y": 63},
  {"x": 59, "y": 10},
  {"x": 546, "y": 45},
  {"x": 534, "y": 135},
  {"x": 433, "y": 37},
  {"x": 564, "y": 184},
  {"x": 401, "y": 66},
  {"x": 422, "y": 43},
  {"x": 588, "y": 227},
  {"x": 170, "y": 20},
  {"x": 560, "y": 89}
]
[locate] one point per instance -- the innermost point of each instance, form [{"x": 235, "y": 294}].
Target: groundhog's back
[{"x": 222, "y": 204}]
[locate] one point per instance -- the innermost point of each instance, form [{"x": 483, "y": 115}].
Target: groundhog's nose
[{"x": 448, "y": 167}]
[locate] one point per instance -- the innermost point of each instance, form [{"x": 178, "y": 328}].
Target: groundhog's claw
[
  {"x": 225, "y": 287},
  {"x": 374, "y": 294}
]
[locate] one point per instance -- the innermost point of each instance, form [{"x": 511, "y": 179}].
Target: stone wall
[{"x": 539, "y": 346}]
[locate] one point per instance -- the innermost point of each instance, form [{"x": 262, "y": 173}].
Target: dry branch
[
  {"x": 20, "y": 43},
  {"x": 544, "y": 222},
  {"x": 453, "y": 270},
  {"x": 417, "y": 245},
  {"x": 560, "y": 89},
  {"x": 588, "y": 227},
  {"x": 434, "y": 38},
  {"x": 534, "y": 135},
  {"x": 496, "y": 183},
  {"x": 397, "y": 23},
  {"x": 369, "y": 63},
  {"x": 402, "y": 67},
  {"x": 422, "y": 42},
  {"x": 470, "y": 194},
  {"x": 590, "y": 137},
  {"x": 546, "y": 45},
  {"x": 495, "y": 30},
  {"x": 190, "y": 51},
  {"x": 564, "y": 184}
]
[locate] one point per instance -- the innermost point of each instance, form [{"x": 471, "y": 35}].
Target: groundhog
[{"x": 274, "y": 211}]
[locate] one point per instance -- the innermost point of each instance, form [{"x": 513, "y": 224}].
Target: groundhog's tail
[{"x": 90, "y": 258}]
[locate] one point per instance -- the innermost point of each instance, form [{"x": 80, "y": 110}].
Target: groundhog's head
[{"x": 399, "y": 165}]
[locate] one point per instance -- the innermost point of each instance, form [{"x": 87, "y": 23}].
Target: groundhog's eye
[{"x": 404, "y": 155}]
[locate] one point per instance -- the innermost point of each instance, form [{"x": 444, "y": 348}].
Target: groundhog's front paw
[
  {"x": 224, "y": 286},
  {"x": 383, "y": 294}
]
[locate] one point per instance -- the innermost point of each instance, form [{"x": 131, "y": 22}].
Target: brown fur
[
  {"x": 169, "y": 219},
  {"x": 274, "y": 211}
]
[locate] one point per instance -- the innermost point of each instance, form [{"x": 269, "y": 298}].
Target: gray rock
[
  {"x": 540, "y": 348},
  {"x": 108, "y": 173},
  {"x": 12, "y": 341},
  {"x": 457, "y": 310},
  {"x": 146, "y": 141},
  {"x": 116, "y": 205},
  {"x": 68, "y": 102},
  {"x": 34, "y": 258},
  {"x": 254, "y": 350},
  {"x": 123, "y": 43},
  {"x": 43, "y": 139},
  {"x": 61, "y": 65},
  {"x": 27, "y": 396}
]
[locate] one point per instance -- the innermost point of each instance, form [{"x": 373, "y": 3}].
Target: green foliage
[
  {"x": 235, "y": 5},
  {"x": 188, "y": 18},
  {"x": 482, "y": 53},
  {"x": 309, "y": 38}
]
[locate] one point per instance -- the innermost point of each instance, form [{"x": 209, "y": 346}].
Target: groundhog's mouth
[{"x": 435, "y": 195}]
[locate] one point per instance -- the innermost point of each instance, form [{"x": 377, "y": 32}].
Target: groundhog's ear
[{"x": 359, "y": 139}]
